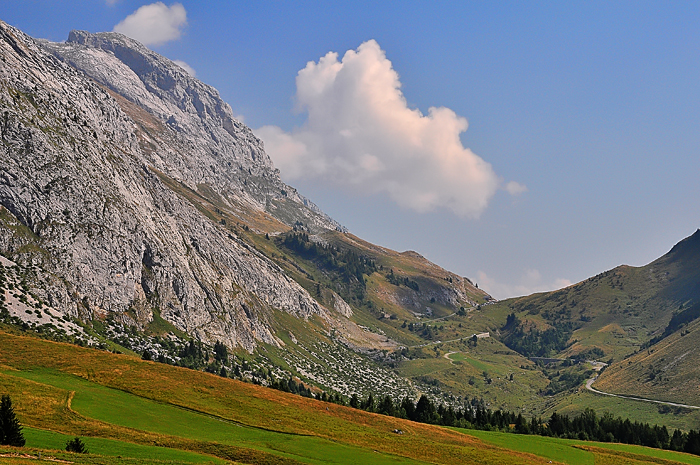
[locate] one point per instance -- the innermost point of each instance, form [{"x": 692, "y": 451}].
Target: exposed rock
[
  {"x": 198, "y": 141},
  {"x": 341, "y": 306},
  {"x": 83, "y": 196}
]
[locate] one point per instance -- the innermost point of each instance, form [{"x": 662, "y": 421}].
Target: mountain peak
[
  {"x": 688, "y": 246},
  {"x": 213, "y": 147},
  {"x": 163, "y": 80}
]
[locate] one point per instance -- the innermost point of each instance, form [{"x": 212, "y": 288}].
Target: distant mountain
[
  {"x": 666, "y": 367},
  {"x": 611, "y": 314}
]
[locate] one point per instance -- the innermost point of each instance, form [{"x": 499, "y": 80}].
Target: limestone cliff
[{"x": 90, "y": 129}]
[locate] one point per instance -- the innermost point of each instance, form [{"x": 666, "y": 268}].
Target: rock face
[
  {"x": 203, "y": 142},
  {"x": 89, "y": 130}
]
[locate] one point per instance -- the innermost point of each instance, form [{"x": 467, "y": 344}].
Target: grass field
[
  {"x": 575, "y": 452},
  {"x": 131, "y": 411},
  {"x": 574, "y": 404},
  {"x": 43, "y": 439}
]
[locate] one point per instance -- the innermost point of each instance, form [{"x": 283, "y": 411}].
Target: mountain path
[{"x": 589, "y": 386}]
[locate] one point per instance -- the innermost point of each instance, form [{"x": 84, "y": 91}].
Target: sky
[{"x": 525, "y": 145}]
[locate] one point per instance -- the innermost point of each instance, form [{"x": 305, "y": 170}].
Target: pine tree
[
  {"x": 76, "y": 445},
  {"x": 10, "y": 428},
  {"x": 220, "y": 352}
]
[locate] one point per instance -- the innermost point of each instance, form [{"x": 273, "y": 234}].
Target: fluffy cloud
[
  {"x": 360, "y": 133},
  {"x": 190, "y": 70},
  {"x": 154, "y": 24},
  {"x": 530, "y": 282}
]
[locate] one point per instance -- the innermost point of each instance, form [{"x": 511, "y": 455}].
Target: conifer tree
[
  {"x": 10, "y": 428},
  {"x": 76, "y": 445}
]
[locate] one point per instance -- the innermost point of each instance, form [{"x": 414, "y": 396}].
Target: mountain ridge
[
  {"x": 76, "y": 176},
  {"x": 136, "y": 206}
]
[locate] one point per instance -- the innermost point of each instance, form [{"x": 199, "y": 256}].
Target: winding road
[{"x": 589, "y": 386}]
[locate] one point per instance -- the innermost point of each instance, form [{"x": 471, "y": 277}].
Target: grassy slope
[
  {"x": 667, "y": 370},
  {"x": 575, "y": 403},
  {"x": 275, "y": 424},
  {"x": 618, "y": 311},
  {"x": 61, "y": 390},
  {"x": 576, "y": 452}
]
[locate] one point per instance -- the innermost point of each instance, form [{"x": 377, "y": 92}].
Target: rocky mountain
[
  {"x": 135, "y": 206},
  {"x": 84, "y": 198},
  {"x": 204, "y": 144}
]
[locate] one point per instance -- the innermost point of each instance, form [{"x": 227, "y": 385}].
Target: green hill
[
  {"x": 611, "y": 315},
  {"x": 640, "y": 320},
  {"x": 667, "y": 370},
  {"x": 132, "y": 411}
]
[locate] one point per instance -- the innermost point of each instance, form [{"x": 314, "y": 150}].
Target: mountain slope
[
  {"x": 609, "y": 315},
  {"x": 667, "y": 370},
  {"x": 107, "y": 234},
  {"x": 134, "y": 205}
]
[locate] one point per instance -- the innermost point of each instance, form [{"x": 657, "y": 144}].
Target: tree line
[
  {"x": 586, "y": 426},
  {"x": 350, "y": 265}
]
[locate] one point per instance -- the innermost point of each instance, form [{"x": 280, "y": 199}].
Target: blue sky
[{"x": 591, "y": 110}]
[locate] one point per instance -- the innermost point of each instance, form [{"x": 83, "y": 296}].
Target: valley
[
  {"x": 118, "y": 404},
  {"x": 157, "y": 278}
]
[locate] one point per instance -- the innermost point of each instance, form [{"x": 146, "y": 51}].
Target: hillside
[
  {"x": 667, "y": 370},
  {"x": 118, "y": 405},
  {"x": 609, "y": 315},
  {"x": 137, "y": 214},
  {"x": 641, "y": 321},
  {"x": 257, "y": 422}
]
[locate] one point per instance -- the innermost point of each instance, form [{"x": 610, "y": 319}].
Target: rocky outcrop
[
  {"x": 83, "y": 202},
  {"x": 199, "y": 141}
]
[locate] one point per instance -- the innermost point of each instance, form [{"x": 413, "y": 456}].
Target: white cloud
[
  {"x": 515, "y": 188},
  {"x": 112, "y": 2},
  {"x": 529, "y": 283},
  {"x": 190, "y": 70},
  {"x": 361, "y": 134},
  {"x": 154, "y": 24}
]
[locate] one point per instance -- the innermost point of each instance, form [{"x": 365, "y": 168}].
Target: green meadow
[
  {"x": 574, "y": 452},
  {"x": 128, "y": 411}
]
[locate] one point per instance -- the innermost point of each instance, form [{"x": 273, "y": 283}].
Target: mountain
[
  {"x": 609, "y": 315},
  {"x": 83, "y": 194},
  {"x": 206, "y": 147},
  {"x": 641, "y": 321},
  {"x": 137, "y": 214},
  {"x": 666, "y": 367}
]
